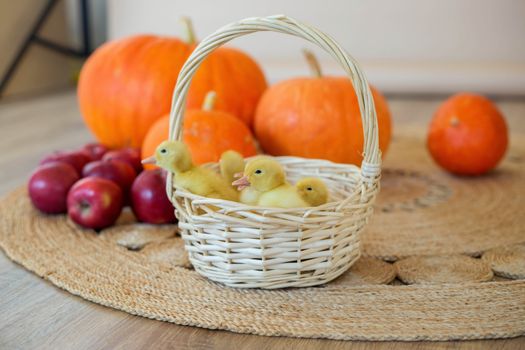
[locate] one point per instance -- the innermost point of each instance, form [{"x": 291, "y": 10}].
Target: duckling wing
[
  {"x": 195, "y": 181},
  {"x": 218, "y": 187},
  {"x": 206, "y": 183}
]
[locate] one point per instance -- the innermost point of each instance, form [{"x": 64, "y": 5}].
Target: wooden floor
[{"x": 35, "y": 314}]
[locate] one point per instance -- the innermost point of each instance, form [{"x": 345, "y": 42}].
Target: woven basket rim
[{"x": 238, "y": 206}]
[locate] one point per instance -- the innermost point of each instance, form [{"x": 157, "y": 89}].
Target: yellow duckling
[
  {"x": 231, "y": 163},
  {"x": 175, "y": 157},
  {"x": 267, "y": 177},
  {"x": 232, "y": 167},
  {"x": 312, "y": 190}
]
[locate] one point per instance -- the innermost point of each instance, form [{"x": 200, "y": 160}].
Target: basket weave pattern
[{"x": 256, "y": 247}]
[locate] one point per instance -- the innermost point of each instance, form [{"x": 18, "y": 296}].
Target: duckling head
[
  {"x": 312, "y": 190},
  {"x": 263, "y": 174},
  {"x": 173, "y": 156}
]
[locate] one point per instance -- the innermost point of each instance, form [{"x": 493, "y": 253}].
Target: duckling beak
[
  {"x": 241, "y": 183},
  {"x": 149, "y": 160}
]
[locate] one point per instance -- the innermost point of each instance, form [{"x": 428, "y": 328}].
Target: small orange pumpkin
[
  {"x": 317, "y": 117},
  {"x": 207, "y": 132},
  {"x": 468, "y": 135}
]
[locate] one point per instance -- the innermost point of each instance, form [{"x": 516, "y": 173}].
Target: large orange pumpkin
[
  {"x": 237, "y": 80},
  {"x": 317, "y": 117},
  {"x": 207, "y": 132},
  {"x": 126, "y": 85},
  {"x": 235, "y": 77}
]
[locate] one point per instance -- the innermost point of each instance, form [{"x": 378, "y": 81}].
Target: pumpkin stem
[
  {"x": 312, "y": 61},
  {"x": 189, "y": 32},
  {"x": 209, "y": 101}
]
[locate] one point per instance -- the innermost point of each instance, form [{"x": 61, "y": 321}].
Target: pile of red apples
[{"x": 92, "y": 185}]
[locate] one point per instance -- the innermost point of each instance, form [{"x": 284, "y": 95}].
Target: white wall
[{"x": 405, "y": 45}]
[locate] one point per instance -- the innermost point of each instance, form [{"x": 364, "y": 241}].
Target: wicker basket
[{"x": 255, "y": 247}]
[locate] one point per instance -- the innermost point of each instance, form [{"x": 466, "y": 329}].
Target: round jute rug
[
  {"x": 422, "y": 210},
  {"x": 143, "y": 270}
]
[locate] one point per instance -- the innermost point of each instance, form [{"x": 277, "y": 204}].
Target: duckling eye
[
  {"x": 309, "y": 188},
  {"x": 163, "y": 151},
  {"x": 258, "y": 171}
]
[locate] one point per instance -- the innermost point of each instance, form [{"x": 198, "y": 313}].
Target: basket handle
[{"x": 370, "y": 167}]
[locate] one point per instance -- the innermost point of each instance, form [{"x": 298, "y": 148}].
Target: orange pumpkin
[
  {"x": 468, "y": 135},
  {"x": 126, "y": 85},
  {"x": 207, "y": 132},
  {"x": 317, "y": 117},
  {"x": 235, "y": 77}
]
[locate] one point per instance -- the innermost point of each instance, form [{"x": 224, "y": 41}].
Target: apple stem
[
  {"x": 189, "y": 32},
  {"x": 209, "y": 101},
  {"x": 313, "y": 63}
]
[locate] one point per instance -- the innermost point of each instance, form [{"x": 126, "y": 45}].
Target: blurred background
[{"x": 406, "y": 46}]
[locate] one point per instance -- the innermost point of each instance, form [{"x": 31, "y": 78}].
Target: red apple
[
  {"x": 95, "y": 150},
  {"x": 149, "y": 200},
  {"x": 76, "y": 158},
  {"x": 94, "y": 202},
  {"x": 49, "y": 185},
  {"x": 130, "y": 155},
  {"x": 117, "y": 171}
]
